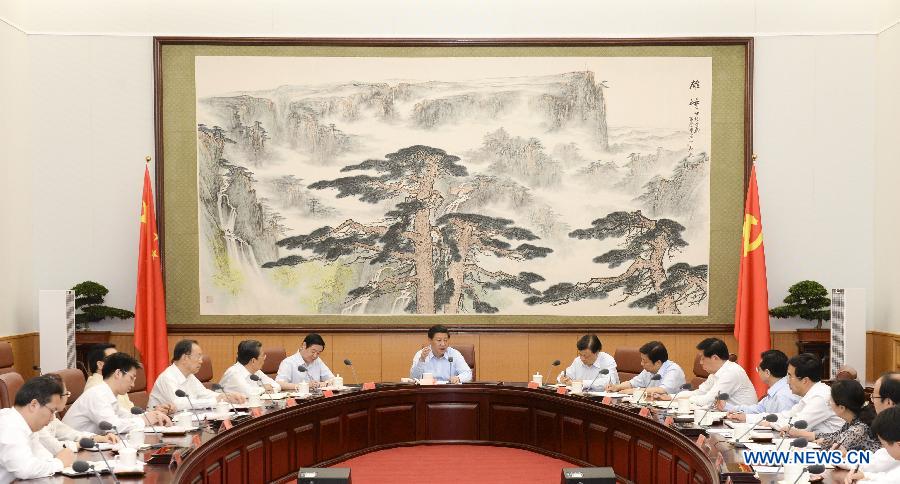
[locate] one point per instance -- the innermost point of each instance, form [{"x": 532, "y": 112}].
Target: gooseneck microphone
[
  {"x": 772, "y": 418},
  {"x": 181, "y": 393},
  {"x": 550, "y": 369},
  {"x": 80, "y": 466},
  {"x": 684, "y": 388},
  {"x": 135, "y": 410},
  {"x": 656, "y": 377},
  {"x": 350, "y": 364},
  {"x": 89, "y": 443},
  {"x": 601, "y": 372},
  {"x": 720, "y": 397},
  {"x": 219, "y": 388},
  {"x": 798, "y": 443},
  {"x": 813, "y": 469},
  {"x": 450, "y": 360},
  {"x": 259, "y": 382},
  {"x": 106, "y": 427},
  {"x": 799, "y": 425}
]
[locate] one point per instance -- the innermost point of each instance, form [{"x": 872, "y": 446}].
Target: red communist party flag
[
  {"x": 150, "y": 336},
  {"x": 751, "y": 318}
]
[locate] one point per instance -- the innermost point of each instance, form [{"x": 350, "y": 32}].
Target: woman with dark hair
[{"x": 848, "y": 401}]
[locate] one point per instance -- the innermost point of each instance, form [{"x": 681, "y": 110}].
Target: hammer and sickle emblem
[{"x": 749, "y": 221}]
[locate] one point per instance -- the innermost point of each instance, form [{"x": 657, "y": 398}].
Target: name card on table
[
  {"x": 256, "y": 412},
  {"x": 226, "y": 424},
  {"x": 720, "y": 460},
  {"x": 291, "y": 402},
  {"x": 607, "y": 400},
  {"x": 328, "y": 393},
  {"x": 562, "y": 390},
  {"x": 533, "y": 385},
  {"x": 668, "y": 421},
  {"x": 369, "y": 385},
  {"x": 195, "y": 440},
  {"x": 701, "y": 439},
  {"x": 644, "y": 412}
]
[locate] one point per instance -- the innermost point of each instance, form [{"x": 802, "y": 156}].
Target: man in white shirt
[
  {"x": 887, "y": 428},
  {"x": 804, "y": 373},
  {"x": 187, "y": 357},
  {"x": 21, "y": 454},
  {"x": 56, "y": 432},
  {"x": 589, "y": 364},
  {"x": 316, "y": 371},
  {"x": 100, "y": 403},
  {"x": 725, "y": 376},
  {"x": 435, "y": 359},
  {"x": 655, "y": 361},
  {"x": 95, "y": 360},
  {"x": 885, "y": 395},
  {"x": 250, "y": 359},
  {"x": 772, "y": 371}
]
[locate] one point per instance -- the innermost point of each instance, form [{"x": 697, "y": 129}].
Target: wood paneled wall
[
  {"x": 26, "y": 352},
  {"x": 499, "y": 356}
]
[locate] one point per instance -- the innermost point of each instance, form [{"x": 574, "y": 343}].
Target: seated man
[
  {"x": 187, "y": 357},
  {"x": 804, "y": 373},
  {"x": 589, "y": 364},
  {"x": 21, "y": 454},
  {"x": 772, "y": 371},
  {"x": 887, "y": 428},
  {"x": 885, "y": 395},
  {"x": 100, "y": 403},
  {"x": 725, "y": 376},
  {"x": 655, "y": 361},
  {"x": 95, "y": 364},
  {"x": 250, "y": 359},
  {"x": 56, "y": 432},
  {"x": 435, "y": 359},
  {"x": 317, "y": 372}
]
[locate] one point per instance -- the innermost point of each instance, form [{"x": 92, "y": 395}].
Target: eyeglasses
[{"x": 67, "y": 394}]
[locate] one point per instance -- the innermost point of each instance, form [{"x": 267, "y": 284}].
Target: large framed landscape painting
[{"x": 525, "y": 183}]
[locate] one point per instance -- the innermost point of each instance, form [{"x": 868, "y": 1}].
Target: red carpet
[{"x": 454, "y": 464}]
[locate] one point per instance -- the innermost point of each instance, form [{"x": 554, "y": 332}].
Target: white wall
[
  {"x": 16, "y": 314},
  {"x": 887, "y": 176},
  {"x": 814, "y": 135},
  {"x": 90, "y": 99}
]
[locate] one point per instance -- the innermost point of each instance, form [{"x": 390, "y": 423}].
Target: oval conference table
[{"x": 324, "y": 431}]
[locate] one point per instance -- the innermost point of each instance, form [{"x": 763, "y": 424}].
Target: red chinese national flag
[
  {"x": 751, "y": 319},
  {"x": 150, "y": 336}
]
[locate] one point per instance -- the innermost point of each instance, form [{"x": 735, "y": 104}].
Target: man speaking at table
[{"x": 440, "y": 359}]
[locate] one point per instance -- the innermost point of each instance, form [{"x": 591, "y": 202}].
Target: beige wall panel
[
  {"x": 26, "y": 353},
  {"x": 503, "y": 357},
  {"x": 364, "y": 351}
]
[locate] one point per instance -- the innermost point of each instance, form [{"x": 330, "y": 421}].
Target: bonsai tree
[
  {"x": 807, "y": 300},
  {"x": 89, "y": 300}
]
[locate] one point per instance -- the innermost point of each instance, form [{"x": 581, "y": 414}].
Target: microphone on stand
[
  {"x": 768, "y": 418},
  {"x": 219, "y": 388},
  {"x": 799, "y": 424},
  {"x": 259, "y": 382},
  {"x": 450, "y": 360},
  {"x": 82, "y": 466},
  {"x": 89, "y": 443},
  {"x": 601, "y": 372},
  {"x": 813, "y": 469},
  {"x": 181, "y": 393},
  {"x": 656, "y": 377},
  {"x": 685, "y": 387},
  {"x": 799, "y": 443},
  {"x": 550, "y": 368},
  {"x": 135, "y": 410},
  {"x": 356, "y": 378},
  {"x": 106, "y": 427},
  {"x": 719, "y": 398}
]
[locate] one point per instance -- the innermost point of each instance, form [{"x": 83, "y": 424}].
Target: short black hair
[
  {"x": 890, "y": 386},
  {"x": 775, "y": 361},
  {"x": 714, "y": 347},
  {"x": 314, "y": 339},
  {"x": 119, "y": 361},
  {"x": 97, "y": 353},
  {"x": 40, "y": 388},
  {"x": 438, "y": 328},
  {"x": 655, "y": 351},
  {"x": 886, "y": 424},
  {"x": 589, "y": 342},
  {"x": 807, "y": 365},
  {"x": 247, "y": 350},
  {"x": 183, "y": 347},
  {"x": 851, "y": 395}
]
